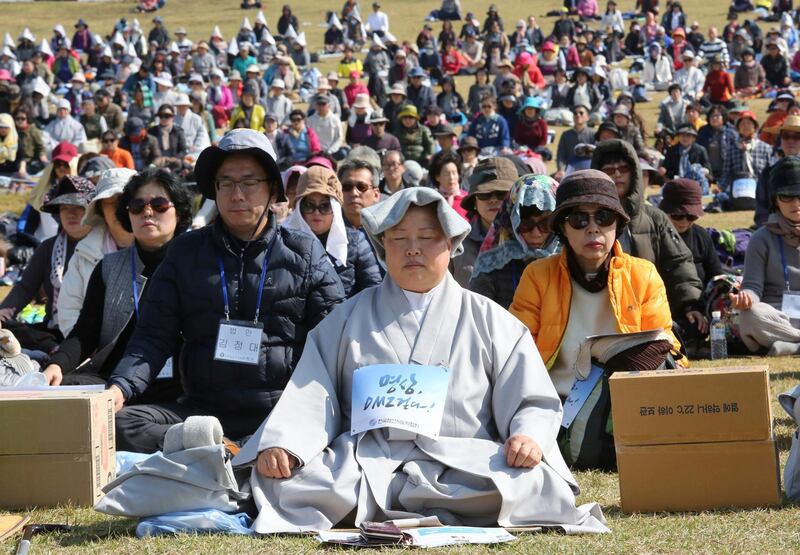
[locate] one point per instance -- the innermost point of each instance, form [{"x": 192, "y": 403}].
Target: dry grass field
[{"x": 773, "y": 530}]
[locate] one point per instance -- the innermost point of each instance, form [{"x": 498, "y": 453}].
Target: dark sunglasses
[
  {"x": 528, "y": 225},
  {"x": 788, "y": 198},
  {"x": 308, "y": 207},
  {"x": 487, "y": 105},
  {"x": 789, "y": 136},
  {"x": 349, "y": 186},
  {"x": 296, "y": 119},
  {"x": 166, "y": 116},
  {"x": 157, "y": 204},
  {"x": 581, "y": 220},
  {"x": 622, "y": 169},
  {"x": 683, "y": 217},
  {"x": 499, "y": 195}
]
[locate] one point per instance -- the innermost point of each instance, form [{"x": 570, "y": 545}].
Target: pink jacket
[{"x": 226, "y": 100}]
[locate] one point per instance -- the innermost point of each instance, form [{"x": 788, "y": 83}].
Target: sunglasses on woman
[
  {"x": 788, "y": 198},
  {"x": 324, "y": 208},
  {"x": 528, "y": 225},
  {"x": 157, "y": 204},
  {"x": 683, "y": 217},
  {"x": 581, "y": 220},
  {"x": 499, "y": 195}
]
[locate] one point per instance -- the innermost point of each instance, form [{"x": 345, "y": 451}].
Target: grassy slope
[{"x": 749, "y": 531}]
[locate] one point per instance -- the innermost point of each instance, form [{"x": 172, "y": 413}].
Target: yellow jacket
[
  {"x": 543, "y": 297},
  {"x": 256, "y": 118}
]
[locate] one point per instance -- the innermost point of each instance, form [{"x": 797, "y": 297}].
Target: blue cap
[{"x": 416, "y": 71}]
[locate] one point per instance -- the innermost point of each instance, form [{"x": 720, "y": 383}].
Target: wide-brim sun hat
[
  {"x": 237, "y": 141},
  {"x": 112, "y": 182}
]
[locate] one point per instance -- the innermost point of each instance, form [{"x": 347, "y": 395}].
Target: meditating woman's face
[
  {"x": 154, "y": 224},
  {"x": 535, "y": 230},
  {"x": 417, "y": 251},
  {"x": 317, "y": 212},
  {"x": 590, "y": 231},
  {"x": 448, "y": 179},
  {"x": 789, "y": 207}
]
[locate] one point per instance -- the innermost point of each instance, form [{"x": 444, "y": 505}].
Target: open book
[{"x": 604, "y": 347}]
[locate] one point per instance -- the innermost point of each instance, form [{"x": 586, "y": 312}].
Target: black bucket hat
[
  {"x": 784, "y": 178},
  {"x": 70, "y": 190},
  {"x": 586, "y": 187},
  {"x": 238, "y": 141}
]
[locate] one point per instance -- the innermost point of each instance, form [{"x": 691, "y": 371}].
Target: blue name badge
[
  {"x": 404, "y": 396},
  {"x": 579, "y": 394}
]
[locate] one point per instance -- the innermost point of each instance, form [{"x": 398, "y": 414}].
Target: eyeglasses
[
  {"x": 157, "y": 204},
  {"x": 295, "y": 119},
  {"x": 499, "y": 195},
  {"x": 788, "y": 198},
  {"x": 611, "y": 169},
  {"x": 307, "y": 207},
  {"x": 348, "y": 186},
  {"x": 683, "y": 217},
  {"x": 789, "y": 136},
  {"x": 166, "y": 116},
  {"x": 581, "y": 220},
  {"x": 528, "y": 225},
  {"x": 484, "y": 106},
  {"x": 247, "y": 186}
]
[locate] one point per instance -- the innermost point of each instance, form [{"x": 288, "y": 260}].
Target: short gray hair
[{"x": 359, "y": 164}]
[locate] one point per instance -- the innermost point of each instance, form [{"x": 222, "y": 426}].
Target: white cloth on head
[{"x": 336, "y": 245}]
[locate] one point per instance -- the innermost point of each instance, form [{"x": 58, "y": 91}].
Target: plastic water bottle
[{"x": 719, "y": 344}]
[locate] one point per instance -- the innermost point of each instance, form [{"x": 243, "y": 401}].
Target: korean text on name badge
[{"x": 404, "y": 396}]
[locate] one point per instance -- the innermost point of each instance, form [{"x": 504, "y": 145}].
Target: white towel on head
[
  {"x": 195, "y": 431},
  {"x": 336, "y": 245}
]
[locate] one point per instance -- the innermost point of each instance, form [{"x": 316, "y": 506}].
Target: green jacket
[
  {"x": 31, "y": 144},
  {"x": 650, "y": 234},
  {"x": 416, "y": 143}
]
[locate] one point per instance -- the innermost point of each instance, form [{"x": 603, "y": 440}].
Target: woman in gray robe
[{"x": 495, "y": 460}]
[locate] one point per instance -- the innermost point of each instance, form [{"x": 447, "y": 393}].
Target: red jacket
[
  {"x": 531, "y": 133},
  {"x": 353, "y": 90},
  {"x": 719, "y": 86},
  {"x": 534, "y": 74},
  {"x": 452, "y": 62}
]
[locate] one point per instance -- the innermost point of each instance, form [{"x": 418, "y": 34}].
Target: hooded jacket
[{"x": 650, "y": 234}]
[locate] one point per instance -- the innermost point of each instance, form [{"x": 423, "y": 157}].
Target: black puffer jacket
[
  {"x": 362, "y": 270},
  {"x": 650, "y": 234},
  {"x": 185, "y": 300}
]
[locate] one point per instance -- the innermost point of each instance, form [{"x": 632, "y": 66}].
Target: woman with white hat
[{"x": 107, "y": 236}]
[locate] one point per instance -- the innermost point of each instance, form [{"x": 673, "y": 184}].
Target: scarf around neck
[
  {"x": 782, "y": 227},
  {"x": 591, "y": 283}
]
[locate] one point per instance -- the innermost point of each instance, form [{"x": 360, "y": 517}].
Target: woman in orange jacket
[{"x": 592, "y": 287}]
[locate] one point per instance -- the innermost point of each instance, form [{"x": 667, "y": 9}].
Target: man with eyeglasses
[
  {"x": 650, "y": 235},
  {"x": 242, "y": 294},
  {"x": 580, "y": 133},
  {"x": 32, "y": 152},
  {"x": 394, "y": 167},
  {"x": 789, "y": 133},
  {"x": 360, "y": 181}
]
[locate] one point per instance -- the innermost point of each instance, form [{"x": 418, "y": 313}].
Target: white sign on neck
[{"x": 404, "y": 396}]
